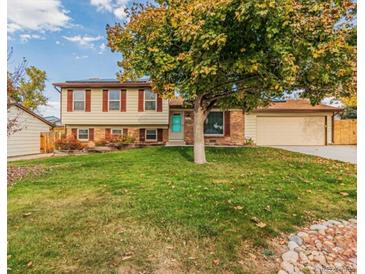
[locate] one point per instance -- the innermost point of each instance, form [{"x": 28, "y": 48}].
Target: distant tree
[
  {"x": 25, "y": 85},
  {"x": 224, "y": 53}
]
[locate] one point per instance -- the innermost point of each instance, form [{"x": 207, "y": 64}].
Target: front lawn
[{"x": 153, "y": 210}]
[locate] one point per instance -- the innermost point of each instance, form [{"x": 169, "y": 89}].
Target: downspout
[{"x": 59, "y": 91}]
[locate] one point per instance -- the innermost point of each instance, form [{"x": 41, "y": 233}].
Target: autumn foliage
[{"x": 239, "y": 53}]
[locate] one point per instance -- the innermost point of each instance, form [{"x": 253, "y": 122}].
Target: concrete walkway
[
  {"x": 35, "y": 156},
  {"x": 344, "y": 153}
]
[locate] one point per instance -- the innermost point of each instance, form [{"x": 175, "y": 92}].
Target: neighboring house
[
  {"x": 26, "y": 140},
  {"x": 54, "y": 120},
  {"x": 94, "y": 110}
]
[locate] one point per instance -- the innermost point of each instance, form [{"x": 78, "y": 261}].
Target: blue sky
[{"x": 66, "y": 38}]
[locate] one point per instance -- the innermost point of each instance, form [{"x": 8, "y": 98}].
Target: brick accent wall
[
  {"x": 236, "y": 125},
  {"x": 99, "y": 134}
]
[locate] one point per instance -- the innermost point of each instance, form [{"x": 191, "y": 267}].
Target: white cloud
[
  {"x": 102, "y": 48},
  {"x": 113, "y": 6},
  {"x": 51, "y": 109},
  {"x": 102, "y": 5},
  {"x": 85, "y": 41},
  {"x": 120, "y": 13},
  {"x": 58, "y": 42},
  {"x": 77, "y": 57},
  {"x": 36, "y": 15},
  {"x": 25, "y": 37}
]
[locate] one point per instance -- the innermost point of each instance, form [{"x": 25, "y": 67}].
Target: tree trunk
[{"x": 199, "y": 148}]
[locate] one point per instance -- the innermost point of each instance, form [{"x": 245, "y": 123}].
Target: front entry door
[{"x": 176, "y": 128}]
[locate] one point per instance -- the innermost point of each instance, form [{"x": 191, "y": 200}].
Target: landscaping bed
[{"x": 153, "y": 210}]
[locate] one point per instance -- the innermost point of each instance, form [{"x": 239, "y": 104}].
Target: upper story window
[
  {"x": 79, "y": 100},
  {"x": 114, "y": 100},
  {"x": 214, "y": 123},
  {"x": 149, "y": 100}
]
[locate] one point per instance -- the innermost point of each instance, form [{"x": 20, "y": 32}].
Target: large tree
[
  {"x": 222, "y": 53},
  {"x": 25, "y": 85}
]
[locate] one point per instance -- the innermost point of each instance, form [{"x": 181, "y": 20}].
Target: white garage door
[{"x": 290, "y": 131}]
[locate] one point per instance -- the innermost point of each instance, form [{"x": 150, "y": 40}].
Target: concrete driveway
[{"x": 345, "y": 153}]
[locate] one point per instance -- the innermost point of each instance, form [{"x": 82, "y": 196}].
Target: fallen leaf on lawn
[
  {"x": 27, "y": 214},
  {"x": 191, "y": 258},
  {"x": 261, "y": 225},
  {"x": 241, "y": 262},
  {"x": 169, "y": 247},
  {"x": 216, "y": 262},
  {"x": 344, "y": 193},
  {"x": 258, "y": 222},
  {"x": 238, "y": 207},
  {"x": 30, "y": 264},
  {"x": 309, "y": 191},
  {"x": 126, "y": 258},
  {"x": 268, "y": 208}
]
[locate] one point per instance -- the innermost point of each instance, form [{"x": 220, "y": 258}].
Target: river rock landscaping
[{"x": 329, "y": 246}]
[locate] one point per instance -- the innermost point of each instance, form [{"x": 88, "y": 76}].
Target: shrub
[
  {"x": 249, "y": 142},
  {"x": 100, "y": 143},
  {"x": 118, "y": 141},
  {"x": 69, "y": 143}
]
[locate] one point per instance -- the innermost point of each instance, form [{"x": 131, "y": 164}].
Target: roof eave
[{"x": 102, "y": 85}]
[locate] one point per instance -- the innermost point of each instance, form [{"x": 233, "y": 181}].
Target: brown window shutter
[
  {"x": 91, "y": 134},
  {"x": 141, "y": 100},
  {"x": 88, "y": 100},
  {"x": 125, "y": 131},
  {"x": 74, "y": 132},
  {"x": 227, "y": 123},
  {"x": 141, "y": 134},
  {"x": 159, "y": 134},
  {"x": 105, "y": 100},
  {"x": 159, "y": 104},
  {"x": 69, "y": 100},
  {"x": 107, "y": 133},
  {"x": 123, "y": 100}
]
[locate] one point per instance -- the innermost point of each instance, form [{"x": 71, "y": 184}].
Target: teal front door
[
  {"x": 176, "y": 129},
  {"x": 176, "y": 122}
]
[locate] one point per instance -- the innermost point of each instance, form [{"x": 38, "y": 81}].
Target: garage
[
  {"x": 25, "y": 140},
  {"x": 291, "y": 131},
  {"x": 290, "y": 122}
]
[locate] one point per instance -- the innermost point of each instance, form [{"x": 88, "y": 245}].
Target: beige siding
[
  {"x": 98, "y": 117},
  {"x": 250, "y": 127},
  {"x": 27, "y": 140},
  {"x": 251, "y": 122}
]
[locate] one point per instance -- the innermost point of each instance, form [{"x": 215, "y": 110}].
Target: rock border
[{"x": 329, "y": 246}]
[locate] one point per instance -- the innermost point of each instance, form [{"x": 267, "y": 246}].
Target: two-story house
[{"x": 93, "y": 110}]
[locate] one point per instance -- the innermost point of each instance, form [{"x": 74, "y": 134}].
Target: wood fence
[
  {"x": 345, "y": 132},
  {"x": 47, "y": 142},
  {"x": 48, "y": 139}
]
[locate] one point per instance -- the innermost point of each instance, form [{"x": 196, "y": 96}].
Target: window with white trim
[
  {"x": 117, "y": 132},
  {"x": 149, "y": 100},
  {"x": 151, "y": 134},
  {"x": 214, "y": 123},
  {"x": 114, "y": 100},
  {"x": 83, "y": 134},
  {"x": 79, "y": 100}
]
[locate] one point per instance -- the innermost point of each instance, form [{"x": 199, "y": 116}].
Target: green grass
[{"x": 154, "y": 210}]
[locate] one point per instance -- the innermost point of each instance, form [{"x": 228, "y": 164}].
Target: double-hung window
[
  {"x": 151, "y": 134},
  {"x": 114, "y": 100},
  {"x": 214, "y": 123},
  {"x": 149, "y": 100},
  {"x": 79, "y": 100},
  {"x": 83, "y": 134}
]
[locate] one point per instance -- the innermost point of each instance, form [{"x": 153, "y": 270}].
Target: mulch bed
[{"x": 17, "y": 173}]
